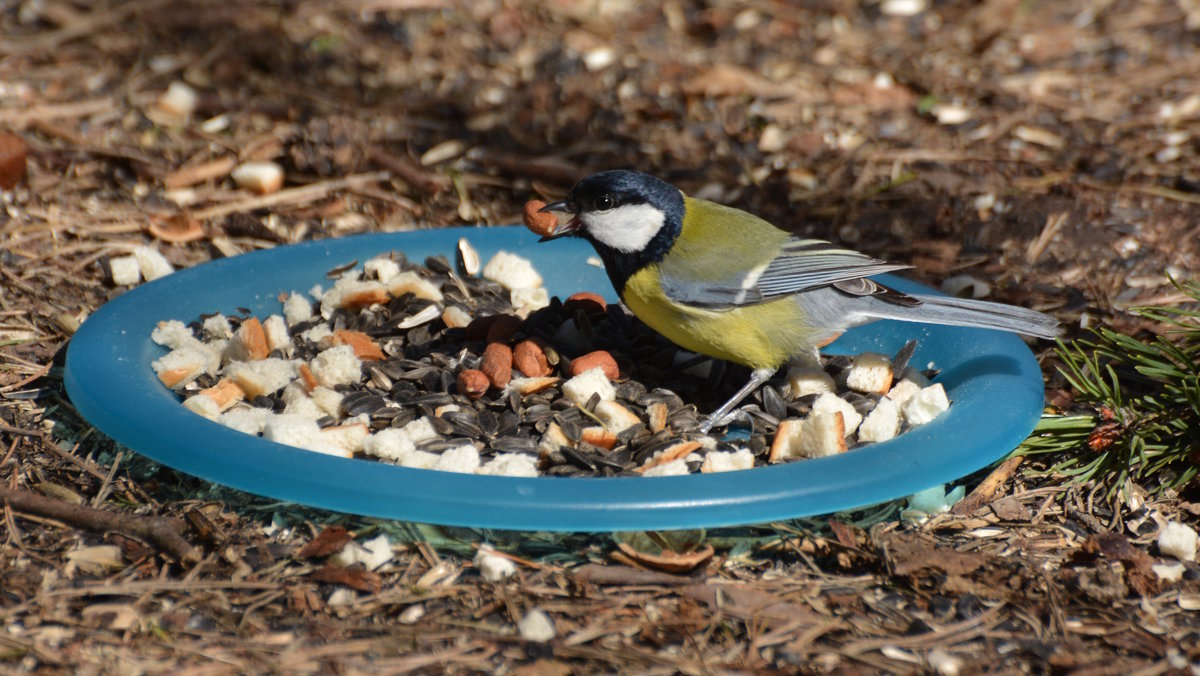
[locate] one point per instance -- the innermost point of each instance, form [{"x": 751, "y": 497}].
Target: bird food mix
[{"x": 473, "y": 368}]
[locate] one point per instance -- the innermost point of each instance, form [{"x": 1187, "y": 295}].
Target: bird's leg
[{"x": 757, "y": 378}]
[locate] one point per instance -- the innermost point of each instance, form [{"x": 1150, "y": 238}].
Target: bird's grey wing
[{"x": 801, "y": 265}]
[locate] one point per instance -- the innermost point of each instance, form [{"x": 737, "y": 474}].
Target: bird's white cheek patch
[{"x": 627, "y": 228}]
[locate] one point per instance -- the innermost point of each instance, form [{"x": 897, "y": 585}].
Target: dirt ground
[{"x": 1045, "y": 150}]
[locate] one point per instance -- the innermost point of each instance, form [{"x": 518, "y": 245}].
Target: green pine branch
[{"x": 1144, "y": 400}]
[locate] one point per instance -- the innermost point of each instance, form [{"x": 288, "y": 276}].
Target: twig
[
  {"x": 300, "y": 195},
  {"x": 410, "y": 173},
  {"x": 160, "y": 532},
  {"x": 1038, "y": 246},
  {"x": 139, "y": 587},
  {"x": 986, "y": 491},
  {"x": 101, "y": 17}
]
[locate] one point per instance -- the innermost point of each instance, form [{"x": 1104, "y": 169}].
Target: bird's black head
[{"x": 632, "y": 219}]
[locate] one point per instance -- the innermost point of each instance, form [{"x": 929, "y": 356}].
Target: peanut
[
  {"x": 598, "y": 359},
  {"x": 540, "y": 223},
  {"x": 530, "y": 359},
  {"x": 590, "y": 303},
  {"x": 472, "y": 383},
  {"x": 497, "y": 364}
]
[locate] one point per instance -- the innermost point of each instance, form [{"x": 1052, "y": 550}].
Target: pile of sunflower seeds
[{"x": 413, "y": 353}]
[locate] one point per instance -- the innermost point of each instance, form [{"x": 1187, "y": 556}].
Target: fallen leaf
[
  {"x": 355, "y": 578},
  {"x": 909, "y": 554},
  {"x": 668, "y": 561},
  {"x": 595, "y": 573},
  {"x": 746, "y": 603},
  {"x": 329, "y": 541},
  {"x": 845, "y": 533},
  {"x": 1010, "y": 509}
]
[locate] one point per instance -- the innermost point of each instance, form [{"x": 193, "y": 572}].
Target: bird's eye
[{"x": 604, "y": 202}]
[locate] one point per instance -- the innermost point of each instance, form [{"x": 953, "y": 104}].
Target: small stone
[
  {"x": 536, "y": 626},
  {"x": 260, "y": 177},
  {"x": 179, "y": 99},
  {"x": 1177, "y": 540}
]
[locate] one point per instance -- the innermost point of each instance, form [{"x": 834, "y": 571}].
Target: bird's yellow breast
[{"x": 758, "y": 336}]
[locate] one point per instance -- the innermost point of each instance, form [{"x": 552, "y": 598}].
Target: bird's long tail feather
[{"x": 974, "y": 313}]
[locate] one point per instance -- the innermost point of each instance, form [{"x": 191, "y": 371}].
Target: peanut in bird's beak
[{"x": 570, "y": 227}]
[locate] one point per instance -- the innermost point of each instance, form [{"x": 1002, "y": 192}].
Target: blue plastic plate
[{"x": 991, "y": 377}]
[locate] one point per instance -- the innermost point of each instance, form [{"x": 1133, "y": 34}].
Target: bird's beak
[{"x": 564, "y": 229}]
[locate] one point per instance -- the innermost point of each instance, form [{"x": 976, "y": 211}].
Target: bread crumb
[
  {"x": 727, "y": 461},
  {"x": 925, "y": 405},
  {"x": 831, "y": 403},
  {"x": 337, "y": 366},
  {"x": 1177, "y": 540},
  {"x": 581, "y": 388}
]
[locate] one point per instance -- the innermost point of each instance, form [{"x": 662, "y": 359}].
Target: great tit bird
[{"x": 725, "y": 283}]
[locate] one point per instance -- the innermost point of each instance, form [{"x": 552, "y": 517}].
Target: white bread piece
[
  {"x": 528, "y": 300},
  {"x": 786, "y": 444},
  {"x": 152, "y": 264},
  {"x": 411, "y": 282},
  {"x": 202, "y": 404},
  {"x": 297, "y": 309},
  {"x": 371, "y": 554},
  {"x": 337, "y": 366},
  {"x": 381, "y": 269},
  {"x": 389, "y": 444},
  {"x": 903, "y": 390},
  {"x": 260, "y": 177},
  {"x": 350, "y": 292},
  {"x": 870, "y": 372},
  {"x": 925, "y": 405},
  {"x": 455, "y": 317},
  {"x": 181, "y": 366},
  {"x": 420, "y": 430},
  {"x": 805, "y": 380},
  {"x": 262, "y": 377},
  {"x": 831, "y": 403},
  {"x": 248, "y": 343},
  {"x": 330, "y": 401},
  {"x": 277, "y": 334},
  {"x": 174, "y": 334},
  {"x": 727, "y": 461},
  {"x": 245, "y": 419},
  {"x": 300, "y": 404},
  {"x": 512, "y": 271},
  {"x": 350, "y": 436},
  {"x": 1177, "y": 540},
  {"x": 493, "y": 567},
  {"x": 216, "y": 327},
  {"x": 301, "y": 432},
  {"x": 463, "y": 459},
  {"x": 677, "y": 467},
  {"x": 823, "y": 434},
  {"x": 124, "y": 270},
  {"x": 317, "y": 334},
  {"x": 615, "y": 416},
  {"x": 511, "y": 464},
  {"x": 553, "y": 439},
  {"x": 419, "y": 460},
  {"x": 581, "y": 388},
  {"x": 882, "y": 423}
]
